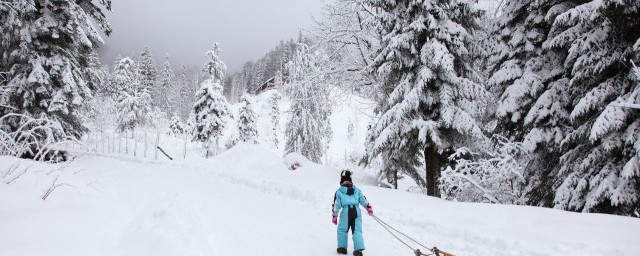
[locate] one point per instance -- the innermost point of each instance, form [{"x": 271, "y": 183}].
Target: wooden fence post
[
  {"x": 157, "y": 144},
  {"x": 145, "y": 144},
  {"x": 135, "y": 139},
  {"x": 184, "y": 146},
  {"x": 113, "y": 142},
  {"x": 102, "y": 140},
  {"x": 119, "y": 143},
  {"x": 126, "y": 143}
]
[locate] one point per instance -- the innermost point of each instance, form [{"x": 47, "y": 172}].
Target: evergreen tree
[
  {"x": 104, "y": 88},
  {"x": 185, "y": 94},
  {"x": 350, "y": 131},
  {"x": 278, "y": 79},
  {"x": 238, "y": 87},
  {"x": 132, "y": 99},
  {"x": 532, "y": 98},
  {"x": 274, "y": 113},
  {"x": 352, "y": 39},
  {"x": 247, "y": 130},
  {"x": 47, "y": 59},
  {"x": 428, "y": 93},
  {"x": 147, "y": 70},
  {"x": 156, "y": 118},
  {"x": 560, "y": 70},
  {"x": 165, "y": 87},
  {"x": 175, "y": 125},
  {"x": 599, "y": 169},
  {"x": 210, "y": 108},
  {"x": 517, "y": 73},
  {"x": 254, "y": 74},
  {"x": 308, "y": 130}
]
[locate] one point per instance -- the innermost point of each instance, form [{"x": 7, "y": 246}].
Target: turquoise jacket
[{"x": 342, "y": 199}]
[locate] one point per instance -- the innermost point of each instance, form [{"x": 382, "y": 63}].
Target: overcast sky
[{"x": 185, "y": 29}]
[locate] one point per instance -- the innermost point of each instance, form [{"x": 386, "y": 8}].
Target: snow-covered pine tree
[
  {"x": 104, "y": 88},
  {"x": 278, "y": 79},
  {"x": 247, "y": 130},
  {"x": 102, "y": 73},
  {"x": 147, "y": 70},
  {"x": 189, "y": 127},
  {"x": 257, "y": 76},
  {"x": 308, "y": 130},
  {"x": 132, "y": 99},
  {"x": 157, "y": 119},
  {"x": 350, "y": 131},
  {"x": 210, "y": 108},
  {"x": 428, "y": 94},
  {"x": 274, "y": 113},
  {"x": 185, "y": 94},
  {"x": 516, "y": 59},
  {"x": 236, "y": 84},
  {"x": 175, "y": 126},
  {"x": 46, "y": 51},
  {"x": 599, "y": 168},
  {"x": 164, "y": 89},
  {"x": 526, "y": 80},
  {"x": 352, "y": 40}
]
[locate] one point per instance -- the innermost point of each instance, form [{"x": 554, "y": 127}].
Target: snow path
[{"x": 245, "y": 202}]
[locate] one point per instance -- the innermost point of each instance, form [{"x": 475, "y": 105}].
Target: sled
[{"x": 436, "y": 252}]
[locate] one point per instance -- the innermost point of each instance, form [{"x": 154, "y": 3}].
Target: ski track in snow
[{"x": 245, "y": 202}]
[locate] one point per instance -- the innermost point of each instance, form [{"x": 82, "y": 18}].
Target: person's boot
[
  {"x": 342, "y": 250},
  {"x": 357, "y": 253}
]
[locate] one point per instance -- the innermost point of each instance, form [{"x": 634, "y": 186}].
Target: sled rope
[
  {"x": 388, "y": 228},
  {"x": 394, "y": 235}
]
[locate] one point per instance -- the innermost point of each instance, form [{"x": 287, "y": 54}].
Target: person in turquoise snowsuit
[{"x": 345, "y": 203}]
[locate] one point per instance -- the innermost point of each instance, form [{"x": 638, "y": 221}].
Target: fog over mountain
[{"x": 185, "y": 29}]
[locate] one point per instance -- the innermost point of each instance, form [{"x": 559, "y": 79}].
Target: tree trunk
[
  {"x": 395, "y": 178},
  {"x": 207, "y": 146},
  {"x": 184, "y": 146},
  {"x": 217, "y": 146},
  {"x": 433, "y": 165}
]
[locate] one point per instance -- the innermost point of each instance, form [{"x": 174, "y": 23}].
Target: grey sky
[{"x": 185, "y": 29}]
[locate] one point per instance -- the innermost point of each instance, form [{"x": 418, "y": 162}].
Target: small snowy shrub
[{"x": 175, "y": 126}]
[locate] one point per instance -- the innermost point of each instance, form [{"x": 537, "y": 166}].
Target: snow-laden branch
[
  {"x": 495, "y": 175},
  {"x": 40, "y": 138},
  {"x": 626, "y": 105}
]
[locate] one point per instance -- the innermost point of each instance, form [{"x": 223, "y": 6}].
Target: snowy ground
[{"x": 246, "y": 202}]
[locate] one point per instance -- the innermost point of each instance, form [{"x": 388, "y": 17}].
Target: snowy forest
[{"x": 525, "y": 102}]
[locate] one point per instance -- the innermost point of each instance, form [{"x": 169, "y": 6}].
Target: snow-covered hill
[{"x": 246, "y": 202}]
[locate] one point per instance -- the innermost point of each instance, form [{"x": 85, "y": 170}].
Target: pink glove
[
  {"x": 335, "y": 218},
  {"x": 369, "y": 210}
]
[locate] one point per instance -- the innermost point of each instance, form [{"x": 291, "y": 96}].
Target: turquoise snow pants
[{"x": 350, "y": 218}]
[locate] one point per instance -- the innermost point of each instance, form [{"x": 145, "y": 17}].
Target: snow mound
[
  {"x": 295, "y": 160},
  {"x": 247, "y": 195}
]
